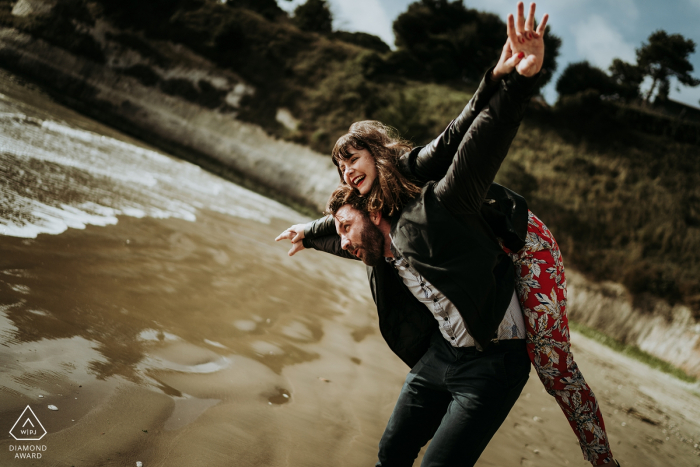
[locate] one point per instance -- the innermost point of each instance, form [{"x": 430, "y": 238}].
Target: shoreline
[
  {"x": 214, "y": 140},
  {"x": 292, "y": 174}
]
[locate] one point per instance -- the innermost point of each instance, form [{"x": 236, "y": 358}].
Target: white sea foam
[{"x": 62, "y": 177}]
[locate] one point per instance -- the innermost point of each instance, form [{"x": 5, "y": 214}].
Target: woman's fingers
[
  {"x": 521, "y": 18},
  {"x": 513, "y": 34},
  {"x": 510, "y": 28},
  {"x": 528, "y": 66},
  {"x": 541, "y": 27},
  {"x": 530, "y": 23},
  {"x": 510, "y": 57},
  {"x": 298, "y": 237},
  {"x": 513, "y": 61}
]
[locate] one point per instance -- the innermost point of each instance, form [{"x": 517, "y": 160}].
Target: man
[{"x": 455, "y": 394}]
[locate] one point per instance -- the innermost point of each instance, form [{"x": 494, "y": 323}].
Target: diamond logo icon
[{"x": 28, "y": 427}]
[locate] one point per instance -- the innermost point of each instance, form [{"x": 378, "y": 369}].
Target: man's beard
[{"x": 372, "y": 244}]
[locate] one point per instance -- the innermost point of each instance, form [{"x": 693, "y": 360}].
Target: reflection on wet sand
[
  {"x": 204, "y": 316},
  {"x": 145, "y": 284}
]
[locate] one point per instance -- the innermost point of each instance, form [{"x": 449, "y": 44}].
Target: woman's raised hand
[
  {"x": 296, "y": 234},
  {"x": 526, "y": 39},
  {"x": 524, "y": 49}
]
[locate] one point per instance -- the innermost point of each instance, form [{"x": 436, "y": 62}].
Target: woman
[{"x": 388, "y": 172}]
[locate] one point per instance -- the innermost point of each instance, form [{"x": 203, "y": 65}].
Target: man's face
[{"x": 359, "y": 235}]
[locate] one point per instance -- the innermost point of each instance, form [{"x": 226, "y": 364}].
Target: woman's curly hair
[{"x": 391, "y": 190}]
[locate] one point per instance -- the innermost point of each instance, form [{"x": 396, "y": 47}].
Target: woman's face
[{"x": 359, "y": 170}]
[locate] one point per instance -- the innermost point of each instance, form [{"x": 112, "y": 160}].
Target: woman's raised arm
[
  {"x": 524, "y": 51},
  {"x": 431, "y": 162},
  {"x": 479, "y": 156}
]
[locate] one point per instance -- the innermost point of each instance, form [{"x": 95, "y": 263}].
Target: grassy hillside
[
  {"x": 623, "y": 202},
  {"x": 324, "y": 80},
  {"x": 624, "y": 206}
]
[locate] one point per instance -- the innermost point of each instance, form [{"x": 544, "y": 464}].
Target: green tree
[
  {"x": 627, "y": 77},
  {"x": 582, "y": 76},
  {"x": 664, "y": 90},
  {"x": 448, "y": 40},
  {"x": 362, "y": 39},
  {"x": 665, "y": 56},
  {"x": 267, "y": 8},
  {"x": 314, "y": 16},
  {"x": 151, "y": 16},
  {"x": 452, "y": 42}
]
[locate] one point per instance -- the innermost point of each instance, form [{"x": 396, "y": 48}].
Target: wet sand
[
  {"x": 201, "y": 343},
  {"x": 203, "y": 334}
]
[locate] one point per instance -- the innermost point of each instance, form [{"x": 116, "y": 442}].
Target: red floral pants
[{"x": 541, "y": 289}]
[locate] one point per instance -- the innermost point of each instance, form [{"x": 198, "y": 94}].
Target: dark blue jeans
[{"x": 456, "y": 396}]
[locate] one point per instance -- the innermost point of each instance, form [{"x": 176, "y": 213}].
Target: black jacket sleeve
[
  {"x": 329, "y": 244},
  {"x": 431, "y": 162},
  {"x": 320, "y": 227},
  {"x": 481, "y": 152}
]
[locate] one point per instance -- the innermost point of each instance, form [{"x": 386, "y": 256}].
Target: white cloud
[
  {"x": 685, "y": 94},
  {"x": 600, "y": 43},
  {"x": 500, "y": 7},
  {"x": 629, "y": 8},
  {"x": 363, "y": 15},
  {"x": 289, "y": 6},
  {"x": 355, "y": 15}
]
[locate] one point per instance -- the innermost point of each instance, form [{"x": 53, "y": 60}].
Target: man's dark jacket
[{"x": 443, "y": 233}]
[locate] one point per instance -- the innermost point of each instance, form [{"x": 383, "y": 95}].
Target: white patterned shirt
[{"x": 450, "y": 321}]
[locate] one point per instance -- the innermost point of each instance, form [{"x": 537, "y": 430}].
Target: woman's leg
[{"x": 541, "y": 289}]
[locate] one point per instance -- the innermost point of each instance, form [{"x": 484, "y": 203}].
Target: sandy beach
[{"x": 262, "y": 360}]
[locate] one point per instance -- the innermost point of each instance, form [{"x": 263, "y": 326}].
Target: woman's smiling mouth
[{"x": 358, "y": 181}]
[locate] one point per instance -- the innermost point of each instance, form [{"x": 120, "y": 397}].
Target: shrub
[
  {"x": 144, "y": 74},
  {"x": 582, "y": 76},
  {"x": 314, "y": 16},
  {"x": 364, "y": 40}
]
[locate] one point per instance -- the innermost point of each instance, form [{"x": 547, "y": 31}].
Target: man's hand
[
  {"x": 296, "y": 234},
  {"x": 524, "y": 49}
]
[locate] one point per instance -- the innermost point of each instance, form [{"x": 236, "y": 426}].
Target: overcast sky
[{"x": 593, "y": 30}]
